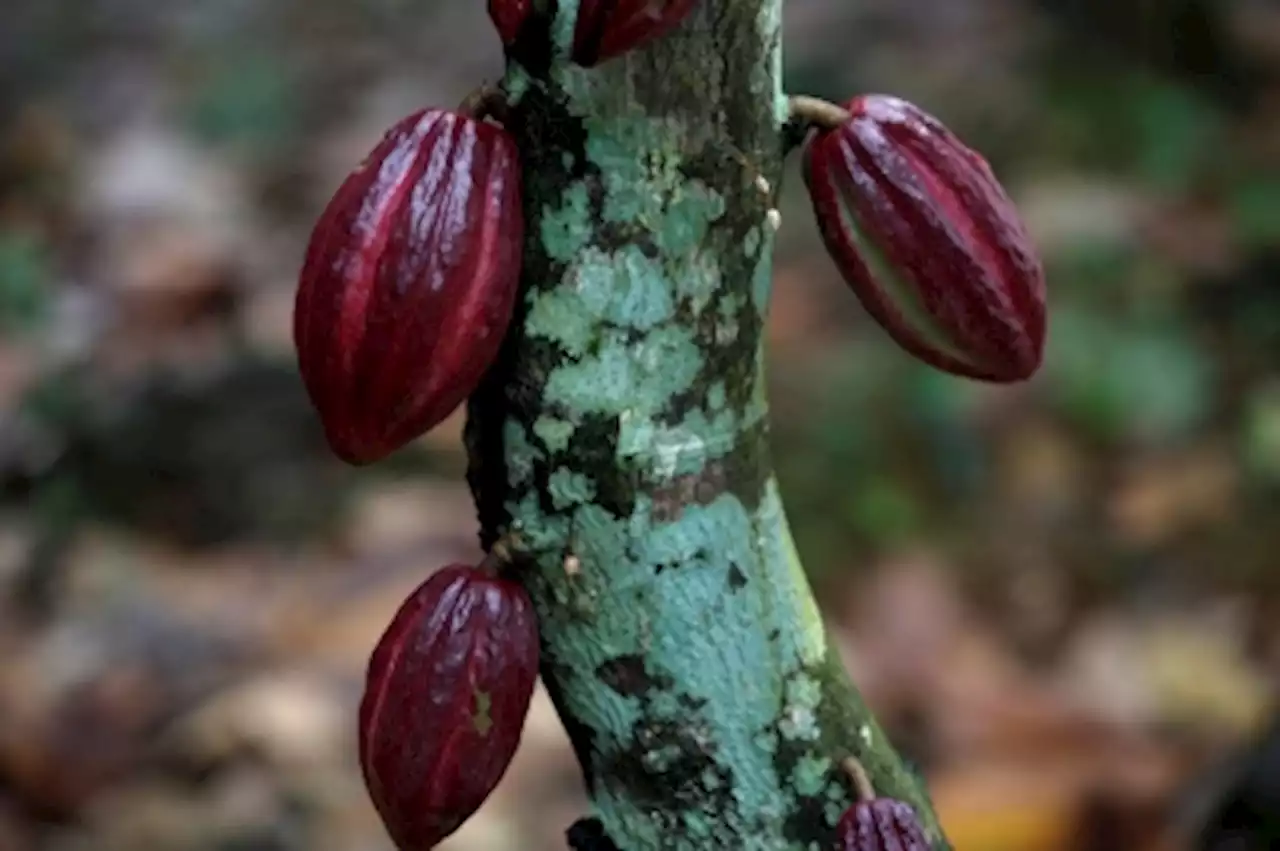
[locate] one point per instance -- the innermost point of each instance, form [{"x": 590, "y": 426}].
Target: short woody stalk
[
  {"x": 859, "y": 779},
  {"x": 816, "y": 112},
  {"x": 624, "y": 435},
  {"x": 487, "y": 101}
]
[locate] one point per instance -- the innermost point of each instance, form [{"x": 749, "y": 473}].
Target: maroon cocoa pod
[
  {"x": 446, "y": 694},
  {"x": 929, "y": 241},
  {"x": 608, "y": 28},
  {"x": 880, "y": 824},
  {"x": 409, "y": 282},
  {"x": 508, "y": 18}
]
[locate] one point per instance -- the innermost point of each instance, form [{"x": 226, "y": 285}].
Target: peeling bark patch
[
  {"x": 701, "y": 488},
  {"x": 627, "y": 676},
  {"x": 730, "y": 322},
  {"x": 742, "y": 472},
  {"x": 671, "y": 769},
  {"x": 613, "y": 236},
  {"x": 593, "y": 449}
]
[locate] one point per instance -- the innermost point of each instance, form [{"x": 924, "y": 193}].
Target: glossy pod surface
[
  {"x": 609, "y": 28},
  {"x": 446, "y": 694},
  {"x": 603, "y": 29},
  {"x": 409, "y": 281},
  {"x": 927, "y": 238},
  {"x": 880, "y": 824},
  {"x": 509, "y": 17}
]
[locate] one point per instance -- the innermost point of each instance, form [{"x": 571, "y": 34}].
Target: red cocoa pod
[
  {"x": 926, "y": 237},
  {"x": 409, "y": 282},
  {"x": 446, "y": 694},
  {"x": 880, "y": 824},
  {"x": 608, "y": 28},
  {"x": 508, "y": 18}
]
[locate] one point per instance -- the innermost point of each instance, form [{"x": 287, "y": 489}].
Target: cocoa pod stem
[
  {"x": 485, "y": 101},
  {"x": 858, "y": 776},
  {"x": 816, "y": 112},
  {"x": 504, "y": 552}
]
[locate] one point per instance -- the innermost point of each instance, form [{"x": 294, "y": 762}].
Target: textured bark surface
[{"x": 624, "y": 433}]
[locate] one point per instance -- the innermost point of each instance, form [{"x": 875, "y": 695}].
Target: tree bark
[{"x": 624, "y": 435}]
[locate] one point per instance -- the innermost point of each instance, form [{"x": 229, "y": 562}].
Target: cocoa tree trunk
[{"x": 624, "y": 435}]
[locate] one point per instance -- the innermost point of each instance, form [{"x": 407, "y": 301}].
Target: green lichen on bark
[{"x": 626, "y": 425}]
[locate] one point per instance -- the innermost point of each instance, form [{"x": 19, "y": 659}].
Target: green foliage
[
  {"x": 1133, "y": 125},
  {"x": 1261, "y": 435},
  {"x": 25, "y": 281},
  {"x": 245, "y": 99},
  {"x": 1255, "y": 210},
  {"x": 1118, "y": 382}
]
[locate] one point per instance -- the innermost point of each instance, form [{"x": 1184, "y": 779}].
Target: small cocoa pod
[
  {"x": 603, "y": 29},
  {"x": 880, "y": 824},
  {"x": 446, "y": 694},
  {"x": 508, "y": 18},
  {"x": 926, "y": 237},
  {"x": 409, "y": 282},
  {"x": 608, "y": 28}
]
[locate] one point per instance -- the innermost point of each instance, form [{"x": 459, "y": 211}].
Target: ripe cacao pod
[
  {"x": 508, "y": 17},
  {"x": 929, "y": 241},
  {"x": 880, "y": 824},
  {"x": 603, "y": 29},
  {"x": 608, "y": 28},
  {"x": 409, "y": 282},
  {"x": 446, "y": 694}
]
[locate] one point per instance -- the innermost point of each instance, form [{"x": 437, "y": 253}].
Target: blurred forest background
[{"x": 1062, "y": 598}]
